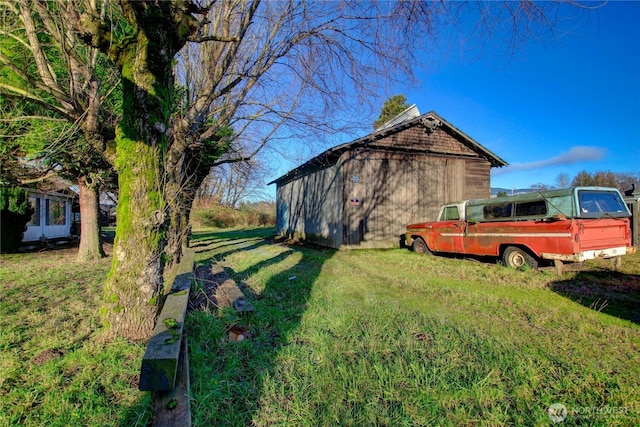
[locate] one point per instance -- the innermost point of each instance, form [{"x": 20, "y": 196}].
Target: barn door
[{"x": 353, "y": 225}]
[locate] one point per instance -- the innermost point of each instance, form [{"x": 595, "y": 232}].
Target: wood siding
[
  {"x": 416, "y": 138},
  {"x": 477, "y": 180},
  {"x": 310, "y": 207},
  {"x": 394, "y": 190}
]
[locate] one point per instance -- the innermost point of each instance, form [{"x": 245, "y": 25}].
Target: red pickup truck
[{"x": 573, "y": 224}]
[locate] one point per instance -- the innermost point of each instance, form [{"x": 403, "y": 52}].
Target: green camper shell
[{"x": 575, "y": 202}]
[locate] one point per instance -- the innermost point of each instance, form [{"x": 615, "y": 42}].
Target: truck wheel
[
  {"x": 515, "y": 257},
  {"x": 420, "y": 247}
]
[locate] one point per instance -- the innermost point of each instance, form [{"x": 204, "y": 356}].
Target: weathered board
[
  {"x": 173, "y": 407},
  {"x": 160, "y": 360},
  {"x": 230, "y": 294}
]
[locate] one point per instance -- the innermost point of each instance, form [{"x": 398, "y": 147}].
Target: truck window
[
  {"x": 537, "y": 208},
  {"x": 450, "y": 213},
  {"x": 497, "y": 211},
  {"x": 595, "y": 203}
]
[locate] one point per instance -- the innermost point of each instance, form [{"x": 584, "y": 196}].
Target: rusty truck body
[{"x": 568, "y": 225}]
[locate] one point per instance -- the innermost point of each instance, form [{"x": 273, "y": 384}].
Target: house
[
  {"x": 362, "y": 194},
  {"x": 57, "y": 213}
]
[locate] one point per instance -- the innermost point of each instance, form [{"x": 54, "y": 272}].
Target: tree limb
[
  {"x": 12, "y": 91},
  {"x": 49, "y": 174}
]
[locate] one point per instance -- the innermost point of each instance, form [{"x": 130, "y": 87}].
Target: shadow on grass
[
  {"x": 227, "y": 377},
  {"x": 607, "y": 291},
  {"x": 204, "y": 238}
]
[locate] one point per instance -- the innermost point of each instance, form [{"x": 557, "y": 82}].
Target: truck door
[{"x": 448, "y": 232}]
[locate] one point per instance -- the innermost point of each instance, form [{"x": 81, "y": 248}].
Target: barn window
[
  {"x": 35, "y": 204},
  {"x": 56, "y": 211}
]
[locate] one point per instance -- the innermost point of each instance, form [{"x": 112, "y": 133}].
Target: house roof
[
  {"x": 430, "y": 120},
  {"x": 410, "y": 113}
]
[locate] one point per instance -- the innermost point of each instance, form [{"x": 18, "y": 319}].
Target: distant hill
[{"x": 509, "y": 191}]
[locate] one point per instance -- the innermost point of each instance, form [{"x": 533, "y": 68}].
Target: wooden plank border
[
  {"x": 160, "y": 361},
  {"x": 173, "y": 407}
]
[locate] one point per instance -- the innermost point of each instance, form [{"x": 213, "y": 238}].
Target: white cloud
[{"x": 574, "y": 155}]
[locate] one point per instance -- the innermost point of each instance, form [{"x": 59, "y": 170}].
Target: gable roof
[{"x": 430, "y": 121}]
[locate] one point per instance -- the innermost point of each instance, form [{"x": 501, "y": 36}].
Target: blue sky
[
  {"x": 557, "y": 106},
  {"x": 560, "y": 106}
]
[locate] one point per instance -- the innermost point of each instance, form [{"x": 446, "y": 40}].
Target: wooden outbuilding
[{"x": 363, "y": 193}]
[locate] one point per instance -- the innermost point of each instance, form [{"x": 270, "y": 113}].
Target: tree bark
[
  {"x": 90, "y": 239},
  {"x": 177, "y": 229},
  {"x": 135, "y": 280},
  {"x": 184, "y": 177}
]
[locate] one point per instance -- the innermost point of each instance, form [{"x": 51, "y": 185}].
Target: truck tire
[
  {"x": 515, "y": 257},
  {"x": 420, "y": 247}
]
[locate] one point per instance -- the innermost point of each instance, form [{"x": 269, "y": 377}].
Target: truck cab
[{"x": 443, "y": 235}]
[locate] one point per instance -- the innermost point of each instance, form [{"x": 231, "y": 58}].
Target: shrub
[
  {"x": 247, "y": 215},
  {"x": 15, "y": 211}
]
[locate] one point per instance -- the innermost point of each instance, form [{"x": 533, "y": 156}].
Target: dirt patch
[
  {"x": 204, "y": 296},
  {"x": 47, "y": 356},
  {"x": 135, "y": 381}
]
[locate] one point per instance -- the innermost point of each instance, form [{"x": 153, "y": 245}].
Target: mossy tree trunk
[
  {"x": 90, "y": 239},
  {"x": 177, "y": 229},
  {"x": 135, "y": 280},
  {"x": 189, "y": 162},
  {"x": 179, "y": 188},
  {"x": 134, "y": 284}
]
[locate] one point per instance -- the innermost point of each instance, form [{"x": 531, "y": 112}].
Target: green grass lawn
[
  {"x": 338, "y": 338},
  {"x": 377, "y": 337},
  {"x": 54, "y": 371}
]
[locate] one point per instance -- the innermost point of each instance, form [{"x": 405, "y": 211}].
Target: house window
[
  {"x": 56, "y": 212},
  {"x": 35, "y": 204}
]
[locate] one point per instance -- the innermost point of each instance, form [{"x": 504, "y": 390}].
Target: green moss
[
  {"x": 104, "y": 317},
  {"x": 171, "y": 323},
  {"x": 111, "y": 297}
]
